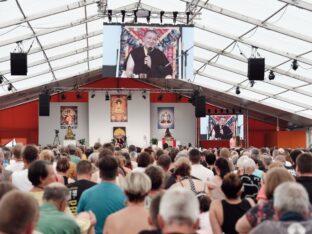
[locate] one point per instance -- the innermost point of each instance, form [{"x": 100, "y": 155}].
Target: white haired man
[
  {"x": 179, "y": 211},
  {"x": 291, "y": 204}
]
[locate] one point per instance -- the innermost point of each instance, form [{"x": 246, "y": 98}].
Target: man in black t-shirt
[{"x": 84, "y": 173}]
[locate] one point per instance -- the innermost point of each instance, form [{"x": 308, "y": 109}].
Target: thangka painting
[
  {"x": 119, "y": 135},
  {"x": 119, "y": 108},
  {"x": 69, "y": 117},
  {"x": 165, "y": 116},
  {"x": 159, "y": 44}
]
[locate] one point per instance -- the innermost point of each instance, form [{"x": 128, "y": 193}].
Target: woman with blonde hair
[
  {"x": 133, "y": 218},
  {"x": 264, "y": 211}
]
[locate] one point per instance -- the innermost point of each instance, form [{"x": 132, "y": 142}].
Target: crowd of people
[{"x": 108, "y": 189}]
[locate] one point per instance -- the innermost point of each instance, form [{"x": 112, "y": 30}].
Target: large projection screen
[{"x": 148, "y": 51}]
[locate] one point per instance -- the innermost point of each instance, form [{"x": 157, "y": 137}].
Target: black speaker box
[
  {"x": 200, "y": 106},
  {"x": 44, "y": 105},
  {"x": 18, "y": 64},
  {"x": 256, "y": 68}
]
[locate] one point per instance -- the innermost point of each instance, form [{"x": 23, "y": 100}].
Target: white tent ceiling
[{"x": 66, "y": 40}]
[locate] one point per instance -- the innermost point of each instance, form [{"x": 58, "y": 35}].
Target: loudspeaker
[
  {"x": 44, "y": 105},
  {"x": 256, "y": 68},
  {"x": 18, "y": 64},
  {"x": 200, "y": 106}
]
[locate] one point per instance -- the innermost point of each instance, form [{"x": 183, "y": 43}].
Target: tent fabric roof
[{"x": 64, "y": 39}]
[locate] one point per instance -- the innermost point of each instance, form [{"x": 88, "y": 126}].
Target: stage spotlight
[
  {"x": 233, "y": 111},
  {"x": 144, "y": 94},
  {"x": 109, "y": 14},
  {"x": 93, "y": 95},
  {"x": 123, "y": 16},
  {"x": 175, "y": 15},
  {"x": 107, "y": 96},
  {"x": 209, "y": 111},
  {"x": 10, "y": 87},
  {"x": 129, "y": 97},
  {"x": 63, "y": 96},
  {"x": 188, "y": 17},
  {"x": 161, "y": 16},
  {"x": 78, "y": 96},
  {"x": 148, "y": 18},
  {"x": 135, "y": 19},
  {"x": 237, "y": 90},
  {"x": 227, "y": 111},
  {"x": 1, "y": 79},
  {"x": 271, "y": 75},
  {"x": 294, "y": 65}
]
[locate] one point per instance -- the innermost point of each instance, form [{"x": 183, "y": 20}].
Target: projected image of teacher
[{"x": 148, "y": 61}]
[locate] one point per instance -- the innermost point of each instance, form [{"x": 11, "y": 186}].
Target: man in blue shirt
[{"x": 105, "y": 198}]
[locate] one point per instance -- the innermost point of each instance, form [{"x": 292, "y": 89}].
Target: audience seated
[
  {"x": 264, "y": 211},
  {"x": 20, "y": 178},
  {"x": 19, "y": 213},
  {"x": 84, "y": 174},
  {"x": 134, "y": 217},
  {"x": 203, "y": 176},
  {"x": 291, "y": 205},
  {"x": 214, "y": 186},
  {"x": 304, "y": 172},
  {"x": 53, "y": 219},
  {"x": 197, "y": 170},
  {"x": 105, "y": 198},
  {"x": 225, "y": 213},
  {"x": 178, "y": 212}
]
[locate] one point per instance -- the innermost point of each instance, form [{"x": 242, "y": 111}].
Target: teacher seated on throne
[{"x": 70, "y": 134}]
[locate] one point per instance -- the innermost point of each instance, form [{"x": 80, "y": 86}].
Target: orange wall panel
[{"x": 291, "y": 139}]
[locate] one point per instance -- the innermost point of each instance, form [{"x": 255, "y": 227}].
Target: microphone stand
[{"x": 183, "y": 55}]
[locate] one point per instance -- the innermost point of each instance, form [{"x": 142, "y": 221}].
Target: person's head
[
  {"x": 40, "y": 173},
  {"x": 291, "y": 197},
  {"x": 165, "y": 146},
  {"x": 222, "y": 121},
  {"x": 194, "y": 156},
  {"x": 255, "y": 153},
  {"x": 136, "y": 186},
  {"x": 5, "y": 187},
  {"x": 19, "y": 213},
  {"x": 275, "y": 177},
  {"x": 47, "y": 155},
  {"x": 97, "y": 146},
  {"x": 108, "y": 168},
  {"x": 231, "y": 186},
  {"x": 62, "y": 165},
  {"x": 132, "y": 148},
  {"x": 179, "y": 206},
  {"x": 17, "y": 151},
  {"x": 144, "y": 159},
  {"x": 157, "y": 176},
  {"x": 154, "y": 210},
  {"x": 222, "y": 167},
  {"x": 57, "y": 194},
  {"x": 109, "y": 146},
  {"x": 150, "y": 39},
  {"x": 158, "y": 153},
  {"x": 71, "y": 149},
  {"x": 173, "y": 153},
  {"x": 164, "y": 161},
  {"x": 246, "y": 165},
  {"x": 304, "y": 164},
  {"x": 225, "y": 153},
  {"x": 182, "y": 167},
  {"x": 210, "y": 158},
  {"x": 204, "y": 202},
  {"x": 84, "y": 167},
  {"x": 30, "y": 153}
]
